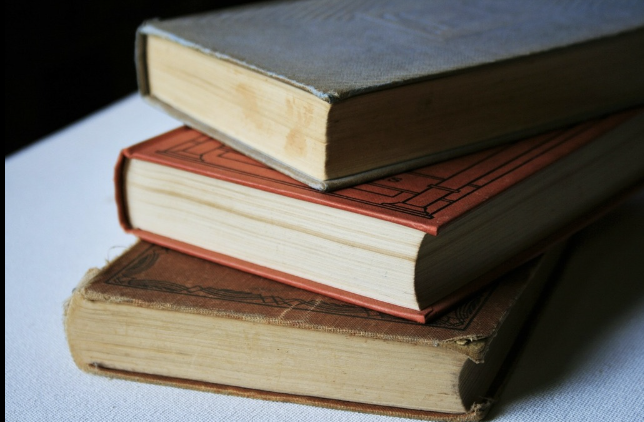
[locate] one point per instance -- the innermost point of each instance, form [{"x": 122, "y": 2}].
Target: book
[
  {"x": 156, "y": 315},
  {"x": 336, "y": 93},
  {"x": 399, "y": 244}
]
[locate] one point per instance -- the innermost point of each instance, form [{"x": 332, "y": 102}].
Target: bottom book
[{"x": 159, "y": 316}]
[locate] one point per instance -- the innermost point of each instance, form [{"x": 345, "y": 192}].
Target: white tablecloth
[{"x": 584, "y": 361}]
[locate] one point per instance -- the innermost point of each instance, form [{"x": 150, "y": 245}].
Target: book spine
[
  {"x": 119, "y": 194},
  {"x": 140, "y": 60}
]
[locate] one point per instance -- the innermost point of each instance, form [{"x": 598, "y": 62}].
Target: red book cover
[{"x": 427, "y": 199}]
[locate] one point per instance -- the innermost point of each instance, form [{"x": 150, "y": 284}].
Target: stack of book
[{"x": 371, "y": 200}]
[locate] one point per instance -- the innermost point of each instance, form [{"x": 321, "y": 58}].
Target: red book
[{"x": 398, "y": 245}]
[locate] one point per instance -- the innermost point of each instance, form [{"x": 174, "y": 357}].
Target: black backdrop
[{"x": 68, "y": 58}]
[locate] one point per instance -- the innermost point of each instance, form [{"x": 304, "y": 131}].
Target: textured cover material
[
  {"x": 151, "y": 276},
  {"x": 426, "y": 199},
  {"x": 335, "y": 49}
]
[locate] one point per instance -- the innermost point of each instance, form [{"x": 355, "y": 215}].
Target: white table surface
[{"x": 584, "y": 362}]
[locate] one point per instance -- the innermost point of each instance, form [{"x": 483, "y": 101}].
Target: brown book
[
  {"x": 159, "y": 316},
  {"x": 337, "y": 93},
  {"x": 397, "y": 245}
]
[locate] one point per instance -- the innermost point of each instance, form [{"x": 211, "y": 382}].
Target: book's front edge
[
  {"x": 421, "y": 316},
  {"x": 477, "y": 412},
  {"x": 144, "y": 90},
  {"x": 321, "y": 185}
]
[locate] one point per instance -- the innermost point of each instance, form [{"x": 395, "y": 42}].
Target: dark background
[{"x": 66, "y": 59}]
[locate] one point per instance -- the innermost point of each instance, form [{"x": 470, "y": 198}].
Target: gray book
[{"x": 336, "y": 93}]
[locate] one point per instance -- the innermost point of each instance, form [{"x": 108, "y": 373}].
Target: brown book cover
[
  {"x": 149, "y": 277},
  {"x": 427, "y": 199}
]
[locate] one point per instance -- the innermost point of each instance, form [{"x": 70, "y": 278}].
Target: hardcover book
[
  {"x": 337, "y": 93},
  {"x": 217, "y": 329},
  {"x": 399, "y": 244}
]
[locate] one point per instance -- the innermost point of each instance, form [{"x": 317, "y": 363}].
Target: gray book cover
[{"x": 338, "y": 49}]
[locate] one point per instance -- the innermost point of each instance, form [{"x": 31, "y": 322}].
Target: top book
[{"x": 336, "y": 93}]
